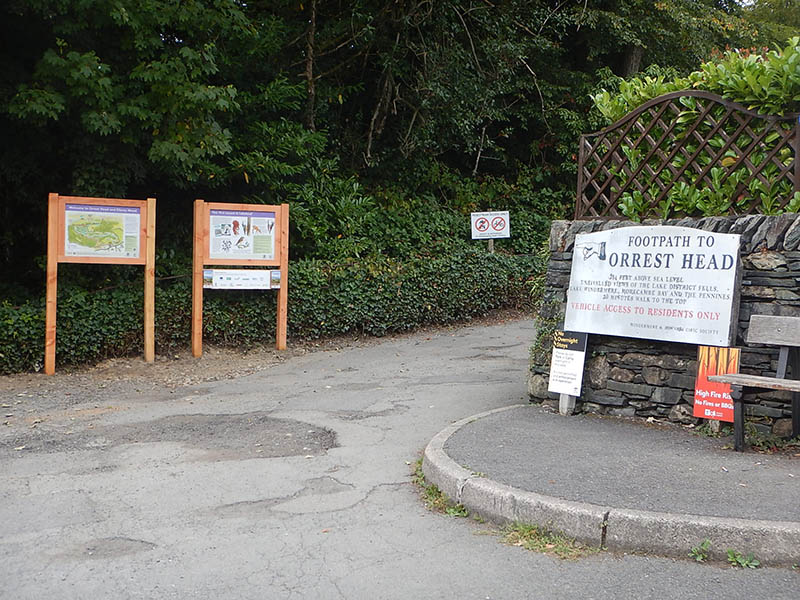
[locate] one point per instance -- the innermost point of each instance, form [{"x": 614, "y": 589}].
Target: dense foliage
[
  {"x": 767, "y": 82},
  {"x": 373, "y": 297},
  {"x": 383, "y": 124},
  {"x": 739, "y": 168}
]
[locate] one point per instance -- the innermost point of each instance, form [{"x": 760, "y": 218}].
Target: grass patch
[
  {"x": 433, "y": 497},
  {"x": 539, "y": 539}
]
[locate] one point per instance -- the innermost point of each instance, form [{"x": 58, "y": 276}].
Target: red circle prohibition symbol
[
  {"x": 482, "y": 224},
  {"x": 498, "y": 223}
]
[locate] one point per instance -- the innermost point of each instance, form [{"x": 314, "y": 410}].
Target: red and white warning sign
[{"x": 488, "y": 225}]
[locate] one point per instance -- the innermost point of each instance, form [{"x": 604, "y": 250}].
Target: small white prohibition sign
[
  {"x": 482, "y": 224},
  {"x": 498, "y": 223}
]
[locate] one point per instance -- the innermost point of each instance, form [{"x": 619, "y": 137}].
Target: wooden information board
[
  {"x": 100, "y": 231},
  {"x": 239, "y": 234}
]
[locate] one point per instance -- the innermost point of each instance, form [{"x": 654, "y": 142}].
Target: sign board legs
[
  {"x": 794, "y": 365},
  {"x": 52, "y": 285},
  {"x": 150, "y": 283},
  {"x": 283, "y": 291},
  {"x": 197, "y": 280},
  {"x": 738, "y": 419}
]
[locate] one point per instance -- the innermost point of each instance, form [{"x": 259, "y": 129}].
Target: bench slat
[
  {"x": 758, "y": 381},
  {"x": 776, "y": 331}
]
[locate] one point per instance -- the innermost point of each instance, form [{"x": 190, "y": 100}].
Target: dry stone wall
[{"x": 647, "y": 378}]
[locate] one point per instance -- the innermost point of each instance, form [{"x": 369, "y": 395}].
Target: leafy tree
[
  {"x": 777, "y": 20},
  {"x": 345, "y": 109}
]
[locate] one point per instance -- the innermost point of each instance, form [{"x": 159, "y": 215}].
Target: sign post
[
  {"x": 239, "y": 234},
  {"x": 99, "y": 231}
]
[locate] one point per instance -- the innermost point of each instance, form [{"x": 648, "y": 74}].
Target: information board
[
  {"x": 566, "y": 362},
  {"x": 655, "y": 282},
  {"x": 240, "y": 235},
  {"x": 119, "y": 231}
]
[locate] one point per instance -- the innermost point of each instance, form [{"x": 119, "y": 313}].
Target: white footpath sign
[
  {"x": 566, "y": 363},
  {"x": 660, "y": 283},
  {"x": 490, "y": 225}
]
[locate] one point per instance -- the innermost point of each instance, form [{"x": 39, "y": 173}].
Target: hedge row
[{"x": 373, "y": 297}]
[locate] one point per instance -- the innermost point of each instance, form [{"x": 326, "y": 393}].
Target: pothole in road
[
  {"x": 115, "y": 547},
  {"x": 223, "y": 436}
]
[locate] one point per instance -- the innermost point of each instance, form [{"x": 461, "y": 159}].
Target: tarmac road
[{"x": 295, "y": 482}]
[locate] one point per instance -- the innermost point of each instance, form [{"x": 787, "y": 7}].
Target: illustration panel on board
[
  {"x": 93, "y": 230},
  {"x": 243, "y": 234}
]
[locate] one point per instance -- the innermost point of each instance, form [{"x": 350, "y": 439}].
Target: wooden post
[
  {"x": 197, "y": 277},
  {"x": 52, "y": 285},
  {"x": 283, "y": 291},
  {"x": 150, "y": 283},
  {"x": 491, "y": 245}
]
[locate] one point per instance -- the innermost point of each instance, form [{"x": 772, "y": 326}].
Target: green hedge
[{"x": 375, "y": 297}]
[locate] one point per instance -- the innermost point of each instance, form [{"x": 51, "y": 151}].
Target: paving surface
[
  {"x": 627, "y": 464},
  {"x": 293, "y": 482}
]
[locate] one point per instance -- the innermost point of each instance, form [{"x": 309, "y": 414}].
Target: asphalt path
[{"x": 295, "y": 482}]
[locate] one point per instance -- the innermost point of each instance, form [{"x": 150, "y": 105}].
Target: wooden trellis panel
[{"x": 690, "y": 153}]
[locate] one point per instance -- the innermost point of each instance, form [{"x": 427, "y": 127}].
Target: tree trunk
[
  {"x": 633, "y": 60},
  {"x": 310, "y": 102}
]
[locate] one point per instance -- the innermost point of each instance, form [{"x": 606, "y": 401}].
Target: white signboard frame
[
  {"x": 242, "y": 279},
  {"x": 655, "y": 282},
  {"x": 490, "y": 225}
]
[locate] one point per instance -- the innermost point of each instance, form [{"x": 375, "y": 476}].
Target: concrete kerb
[
  {"x": 625, "y": 530},
  {"x": 671, "y": 534}
]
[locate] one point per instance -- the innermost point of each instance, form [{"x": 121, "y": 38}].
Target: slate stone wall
[{"x": 647, "y": 378}]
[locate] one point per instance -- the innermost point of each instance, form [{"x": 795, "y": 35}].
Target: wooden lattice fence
[{"x": 690, "y": 153}]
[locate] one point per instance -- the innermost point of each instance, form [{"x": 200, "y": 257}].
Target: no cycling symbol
[
  {"x": 482, "y": 224},
  {"x": 498, "y": 223}
]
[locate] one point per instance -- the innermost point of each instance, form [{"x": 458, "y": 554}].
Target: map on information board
[
  {"x": 101, "y": 231},
  {"x": 241, "y": 234}
]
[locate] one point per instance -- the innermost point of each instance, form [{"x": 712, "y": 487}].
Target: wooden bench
[{"x": 771, "y": 331}]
